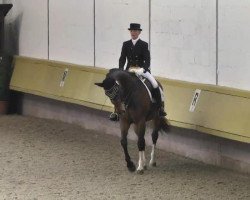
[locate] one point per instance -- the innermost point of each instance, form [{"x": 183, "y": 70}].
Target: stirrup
[{"x": 114, "y": 117}]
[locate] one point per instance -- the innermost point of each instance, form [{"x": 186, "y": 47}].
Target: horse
[{"x": 133, "y": 103}]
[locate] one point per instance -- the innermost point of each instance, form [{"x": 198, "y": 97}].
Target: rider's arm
[
  {"x": 122, "y": 59},
  {"x": 146, "y": 58}
]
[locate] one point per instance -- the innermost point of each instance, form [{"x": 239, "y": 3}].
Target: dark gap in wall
[
  {"x": 216, "y": 53},
  {"x": 48, "y": 28},
  {"x": 149, "y": 25},
  {"x": 94, "y": 34}
]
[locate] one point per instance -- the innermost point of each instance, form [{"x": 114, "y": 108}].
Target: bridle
[{"x": 113, "y": 92}]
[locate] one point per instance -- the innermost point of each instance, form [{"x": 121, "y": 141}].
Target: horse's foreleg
[
  {"x": 124, "y": 143},
  {"x": 154, "y": 139},
  {"x": 142, "y": 162},
  {"x": 140, "y": 131},
  {"x": 130, "y": 164}
]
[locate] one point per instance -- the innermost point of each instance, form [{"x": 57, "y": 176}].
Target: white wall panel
[
  {"x": 183, "y": 35},
  {"x": 27, "y": 28},
  {"x": 112, "y": 21},
  {"x": 184, "y": 40},
  {"x": 234, "y": 40},
  {"x": 71, "y": 37}
]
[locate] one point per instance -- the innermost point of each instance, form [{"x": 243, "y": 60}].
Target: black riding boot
[
  {"x": 114, "y": 117},
  {"x": 157, "y": 96}
]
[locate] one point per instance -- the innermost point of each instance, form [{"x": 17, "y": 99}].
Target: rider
[{"x": 136, "y": 53}]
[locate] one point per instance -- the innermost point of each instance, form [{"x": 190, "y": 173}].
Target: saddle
[
  {"x": 148, "y": 86},
  {"x": 145, "y": 81}
]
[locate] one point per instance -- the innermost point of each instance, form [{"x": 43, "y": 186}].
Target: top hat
[{"x": 134, "y": 26}]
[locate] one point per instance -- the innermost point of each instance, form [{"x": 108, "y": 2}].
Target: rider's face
[{"x": 135, "y": 34}]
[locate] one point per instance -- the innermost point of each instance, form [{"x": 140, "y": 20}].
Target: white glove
[{"x": 139, "y": 72}]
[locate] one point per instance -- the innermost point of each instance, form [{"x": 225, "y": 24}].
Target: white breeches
[
  {"x": 151, "y": 79},
  {"x": 153, "y": 82}
]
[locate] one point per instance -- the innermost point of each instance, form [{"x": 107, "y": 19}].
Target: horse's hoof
[
  {"x": 131, "y": 167},
  {"x": 153, "y": 164},
  {"x": 140, "y": 171}
]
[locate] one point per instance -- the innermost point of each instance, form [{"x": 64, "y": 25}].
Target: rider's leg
[
  {"x": 119, "y": 109},
  {"x": 114, "y": 116},
  {"x": 156, "y": 93},
  {"x": 151, "y": 79},
  {"x": 160, "y": 104}
]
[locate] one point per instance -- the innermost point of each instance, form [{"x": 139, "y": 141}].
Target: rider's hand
[{"x": 139, "y": 72}]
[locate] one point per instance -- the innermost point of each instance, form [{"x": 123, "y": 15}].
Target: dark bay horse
[{"x": 133, "y": 104}]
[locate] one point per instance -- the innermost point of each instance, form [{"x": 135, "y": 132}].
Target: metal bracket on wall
[
  {"x": 65, "y": 73},
  {"x": 195, "y": 100}
]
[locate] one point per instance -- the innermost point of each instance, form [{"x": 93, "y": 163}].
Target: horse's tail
[{"x": 164, "y": 124}]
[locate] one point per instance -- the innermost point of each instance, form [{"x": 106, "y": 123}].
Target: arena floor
[{"x": 47, "y": 159}]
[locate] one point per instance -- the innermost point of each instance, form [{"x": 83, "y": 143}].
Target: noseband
[{"x": 113, "y": 92}]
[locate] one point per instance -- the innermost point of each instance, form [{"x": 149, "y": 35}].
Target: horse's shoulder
[{"x": 113, "y": 70}]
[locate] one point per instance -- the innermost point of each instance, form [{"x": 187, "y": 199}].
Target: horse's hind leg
[
  {"x": 124, "y": 132},
  {"x": 152, "y": 162}
]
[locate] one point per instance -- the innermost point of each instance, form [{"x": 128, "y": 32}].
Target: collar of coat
[{"x": 135, "y": 41}]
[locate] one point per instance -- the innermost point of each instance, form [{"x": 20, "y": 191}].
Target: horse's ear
[{"x": 99, "y": 84}]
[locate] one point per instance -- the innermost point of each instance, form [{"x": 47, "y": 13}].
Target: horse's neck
[
  {"x": 134, "y": 93},
  {"x": 127, "y": 82}
]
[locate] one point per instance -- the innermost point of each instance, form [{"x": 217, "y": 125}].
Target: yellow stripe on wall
[{"x": 220, "y": 111}]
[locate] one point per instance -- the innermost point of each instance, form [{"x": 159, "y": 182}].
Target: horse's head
[
  {"x": 119, "y": 86},
  {"x": 111, "y": 87},
  {"x": 112, "y": 90},
  {"x": 116, "y": 80}
]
